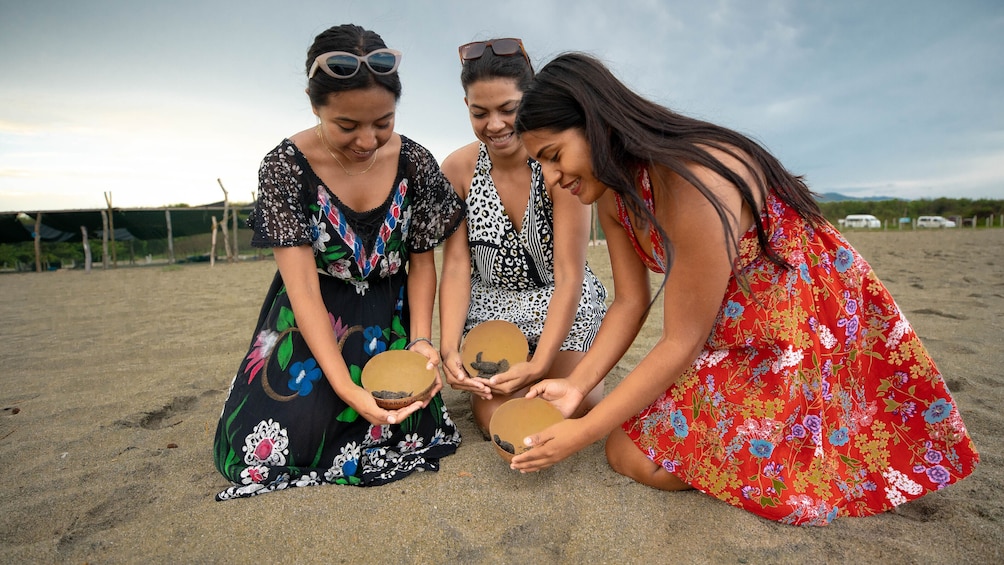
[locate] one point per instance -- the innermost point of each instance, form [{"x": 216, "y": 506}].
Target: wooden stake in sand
[
  {"x": 212, "y": 246},
  {"x": 111, "y": 228},
  {"x": 170, "y": 237},
  {"x": 223, "y": 223},
  {"x": 38, "y": 243},
  {"x": 87, "y": 249}
]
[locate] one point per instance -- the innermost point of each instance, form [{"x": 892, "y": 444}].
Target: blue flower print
[
  {"x": 844, "y": 260},
  {"x": 840, "y": 437},
  {"x": 761, "y": 448},
  {"x": 349, "y": 468},
  {"x": 679, "y": 422},
  {"x": 803, "y": 271},
  {"x": 302, "y": 376},
  {"x": 937, "y": 411},
  {"x": 319, "y": 234},
  {"x": 733, "y": 310},
  {"x": 374, "y": 342},
  {"x": 832, "y": 515}
]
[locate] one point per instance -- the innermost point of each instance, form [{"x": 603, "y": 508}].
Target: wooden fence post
[
  {"x": 212, "y": 248},
  {"x": 170, "y": 238},
  {"x": 87, "y": 249},
  {"x": 38, "y": 243},
  {"x": 233, "y": 215},
  {"x": 223, "y": 222},
  {"x": 104, "y": 239},
  {"x": 111, "y": 229}
]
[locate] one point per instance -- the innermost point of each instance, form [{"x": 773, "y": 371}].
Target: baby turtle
[
  {"x": 390, "y": 395},
  {"x": 487, "y": 369},
  {"x": 505, "y": 445}
]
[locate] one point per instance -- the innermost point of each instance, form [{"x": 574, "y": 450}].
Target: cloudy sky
[{"x": 155, "y": 101}]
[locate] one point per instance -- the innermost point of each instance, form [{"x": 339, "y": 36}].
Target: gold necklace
[{"x": 324, "y": 142}]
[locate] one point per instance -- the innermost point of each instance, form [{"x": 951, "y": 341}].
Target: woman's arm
[
  {"x": 623, "y": 320},
  {"x": 455, "y": 288},
  {"x": 692, "y": 299},
  {"x": 421, "y": 303},
  {"x": 571, "y": 239},
  {"x": 299, "y": 275}
]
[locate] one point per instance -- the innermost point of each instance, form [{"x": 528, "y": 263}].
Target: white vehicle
[
  {"x": 860, "y": 221},
  {"x": 934, "y": 222}
]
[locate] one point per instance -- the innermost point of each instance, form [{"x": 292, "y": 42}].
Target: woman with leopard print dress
[{"x": 520, "y": 256}]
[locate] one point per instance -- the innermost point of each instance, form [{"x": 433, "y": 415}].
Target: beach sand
[{"x": 113, "y": 382}]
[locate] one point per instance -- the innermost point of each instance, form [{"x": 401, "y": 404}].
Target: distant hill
[{"x": 837, "y": 197}]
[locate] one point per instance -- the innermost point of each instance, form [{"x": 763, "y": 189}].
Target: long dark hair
[
  {"x": 351, "y": 39},
  {"x": 625, "y": 132}
]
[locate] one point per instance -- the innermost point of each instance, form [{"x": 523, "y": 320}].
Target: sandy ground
[{"x": 113, "y": 381}]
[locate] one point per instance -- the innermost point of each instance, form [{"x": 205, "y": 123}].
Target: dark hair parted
[
  {"x": 491, "y": 66},
  {"x": 625, "y": 132},
  {"x": 351, "y": 39}
]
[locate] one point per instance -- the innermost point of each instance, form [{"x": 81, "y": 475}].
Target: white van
[
  {"x": 860, "y": 221},
  {"x": 934, "y": 222}
]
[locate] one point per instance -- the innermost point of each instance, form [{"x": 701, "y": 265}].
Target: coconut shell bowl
[
  {"x": 517, "y": 418},
  {"x": 492, "y": 347},
  {"x": 397, "y": 378}
]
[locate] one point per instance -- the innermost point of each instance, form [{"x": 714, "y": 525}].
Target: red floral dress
[{"x": 813, "y": 397}]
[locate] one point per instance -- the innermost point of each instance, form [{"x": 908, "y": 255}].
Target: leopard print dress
[{"x": 512, "y": 274}]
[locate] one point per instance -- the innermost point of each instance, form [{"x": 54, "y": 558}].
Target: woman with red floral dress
[{"x": 786, "y": 381}]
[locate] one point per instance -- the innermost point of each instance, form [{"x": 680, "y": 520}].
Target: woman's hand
[
  {"x": 363, "y": 402},
  {"x": 559, "y": 392},
  {"x": 458, "y": 379},
  {"x": 517, "y": 377},
  {"x": 428, "y": 351},
  {"x": 551, "y": 445}
]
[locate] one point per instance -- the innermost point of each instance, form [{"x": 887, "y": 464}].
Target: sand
[{"x": 113, "y": 381}]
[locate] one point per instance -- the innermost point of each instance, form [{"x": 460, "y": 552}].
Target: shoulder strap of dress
[{"x": 657, "y": 263}]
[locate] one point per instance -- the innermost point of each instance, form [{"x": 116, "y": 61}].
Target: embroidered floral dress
[
  {"x": 813, "y": 397},
  {"x": 282, "y": 424}
]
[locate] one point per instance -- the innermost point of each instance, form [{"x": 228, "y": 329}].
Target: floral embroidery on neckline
[{"x": 364, "y": 261}]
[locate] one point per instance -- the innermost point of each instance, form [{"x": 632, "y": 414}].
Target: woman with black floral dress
[{"x": 353, "y": 212}]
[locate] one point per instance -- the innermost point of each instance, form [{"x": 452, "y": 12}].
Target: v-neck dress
[
  {"x": 512, "y": 274},
  {"x": 813, "y": 397},
  {"x": 282, "y": 424}
]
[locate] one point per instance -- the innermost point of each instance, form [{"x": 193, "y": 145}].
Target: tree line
[{"x": 890, "y": 211}]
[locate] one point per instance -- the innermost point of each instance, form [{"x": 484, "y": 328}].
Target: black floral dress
[{"x": 282, "y": 424}]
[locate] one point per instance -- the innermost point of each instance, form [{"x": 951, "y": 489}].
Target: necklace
[{"x": 324, "y": 142}]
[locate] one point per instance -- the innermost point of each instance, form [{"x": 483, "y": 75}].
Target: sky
[{"x": 156, "y": 103}]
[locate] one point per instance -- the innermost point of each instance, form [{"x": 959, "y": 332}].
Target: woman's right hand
[
  {"x": 559, "y": 392},
  {"x": 363, "y": 402},
  {"x": 458, "y": 379}
]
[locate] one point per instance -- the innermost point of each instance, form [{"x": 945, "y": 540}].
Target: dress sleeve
[
  {"x": 279, "y": 217},
  {"x": 436, "y": 210}
]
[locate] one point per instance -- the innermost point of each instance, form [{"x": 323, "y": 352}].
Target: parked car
[
  {"x": 860, "y": 221},
  {"x": 934, "y": 222}
]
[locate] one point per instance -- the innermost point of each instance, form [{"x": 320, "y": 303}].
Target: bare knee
[{"x": 625, "y": 458}]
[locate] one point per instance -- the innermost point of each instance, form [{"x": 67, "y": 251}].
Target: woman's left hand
[
  {"x": 517, "y": 377},
  {"x": 551, "y": 445},
  {"x": 429, "y": 351},
  {"x": 432, "y": 354}
]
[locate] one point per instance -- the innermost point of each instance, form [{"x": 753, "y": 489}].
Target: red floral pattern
[{"x": 813, "y": 397}]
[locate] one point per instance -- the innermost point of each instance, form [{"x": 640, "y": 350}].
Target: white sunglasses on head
[{"x": 341, "y": 64}]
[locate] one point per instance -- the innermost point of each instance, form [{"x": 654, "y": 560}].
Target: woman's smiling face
[
  {"x": 492, "y": 104},
  {"x": 566, "y": 161}
]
